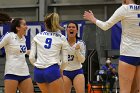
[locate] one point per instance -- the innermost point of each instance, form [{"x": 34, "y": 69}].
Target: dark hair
[
  {"x": 75, "y": 25},
  {"x": 15, "y": 23},
  {"x": 4, "y": 18},
  {"x": 137, "y": 2}
]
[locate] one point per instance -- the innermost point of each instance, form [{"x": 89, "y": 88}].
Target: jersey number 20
[{"x": 48, "y": 43}]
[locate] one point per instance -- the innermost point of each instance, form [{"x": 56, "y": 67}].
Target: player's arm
[
  {"x": 64, "y": 55},
  {"x": 80, "y": 52},
  {"x": 4, "y": 40},
  {"x": 116, "y": 17},
  {"x": 32, "y": 53}
]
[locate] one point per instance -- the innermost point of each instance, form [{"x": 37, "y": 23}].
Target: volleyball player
[
  {"x": 129, "y": 15},
  {"x": 16, "y": 68},
  {"x": 48, "y": 45},
  {"x": 73, "y": 73}
]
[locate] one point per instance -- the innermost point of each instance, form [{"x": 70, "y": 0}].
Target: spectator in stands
[
  {"x": 73, "y": 73},
  {"x": 16, "y": 68},
  {"x": 48, "y": 45},
  {"x": 129, "y": 63},
  {"x": 111, "y": 73}
]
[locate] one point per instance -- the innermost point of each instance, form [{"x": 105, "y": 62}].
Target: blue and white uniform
[
  {"x": 129, "y": 15},
  {"x": 15, "y": 49},
  {"x": 75, "y": 60},
  {"x": 48, "y": 46}
]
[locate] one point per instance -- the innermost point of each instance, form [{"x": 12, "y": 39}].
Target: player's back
[
  {"x": 49, "y": 45},
  {"x": 130, "y": 30},
  {"x": 131, "y": 22}
]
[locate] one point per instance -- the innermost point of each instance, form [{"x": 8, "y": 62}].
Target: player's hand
[
  {"x": 88, "y": 15},
  {"x": 77, "y": 47},
  {"x": 28, "y": 52}
]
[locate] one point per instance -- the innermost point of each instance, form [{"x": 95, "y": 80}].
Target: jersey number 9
[{"x": 48, "y": 43}]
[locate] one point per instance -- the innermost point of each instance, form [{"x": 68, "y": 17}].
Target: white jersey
[
  {"x": 73, "y": 62},
  {"x": 129, "y": 15},
  {"x": 15, "y": 49},
  {"x": 49, "y": 45}
]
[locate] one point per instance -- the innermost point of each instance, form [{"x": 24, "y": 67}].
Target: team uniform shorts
[
  {"x": 49, "y": 74},
  {"x": 16, "y": 77},
  {"x": 72, "y": 74},
  {"x": 131, "y": 60}
]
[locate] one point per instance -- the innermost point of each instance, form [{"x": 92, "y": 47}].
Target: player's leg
[
  {"x": 79, "y": 83},
  {"x": 136, "y": 82},
  {"x": 134, "y": 87},
  {"x": 26, "y": 86},
  {"x": 138, "y": 78},
  {"x": 57, "y": 85},
  {"x": 67, "y": 84},
  {"x": 10, "y": 84},
  {"x": 43, "y": 87},
  {"x": 126, "y": 75}
]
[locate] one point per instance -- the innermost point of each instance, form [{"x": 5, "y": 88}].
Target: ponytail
[{"x": 52, "y": 22}]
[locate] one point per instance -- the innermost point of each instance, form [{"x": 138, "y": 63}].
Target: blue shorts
[
  {"x": 48, "y": 74},
  {"x": 131, "y": 60},
  {"x": 15, "y": 77},
  {"x": 72, "y": 74}
]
